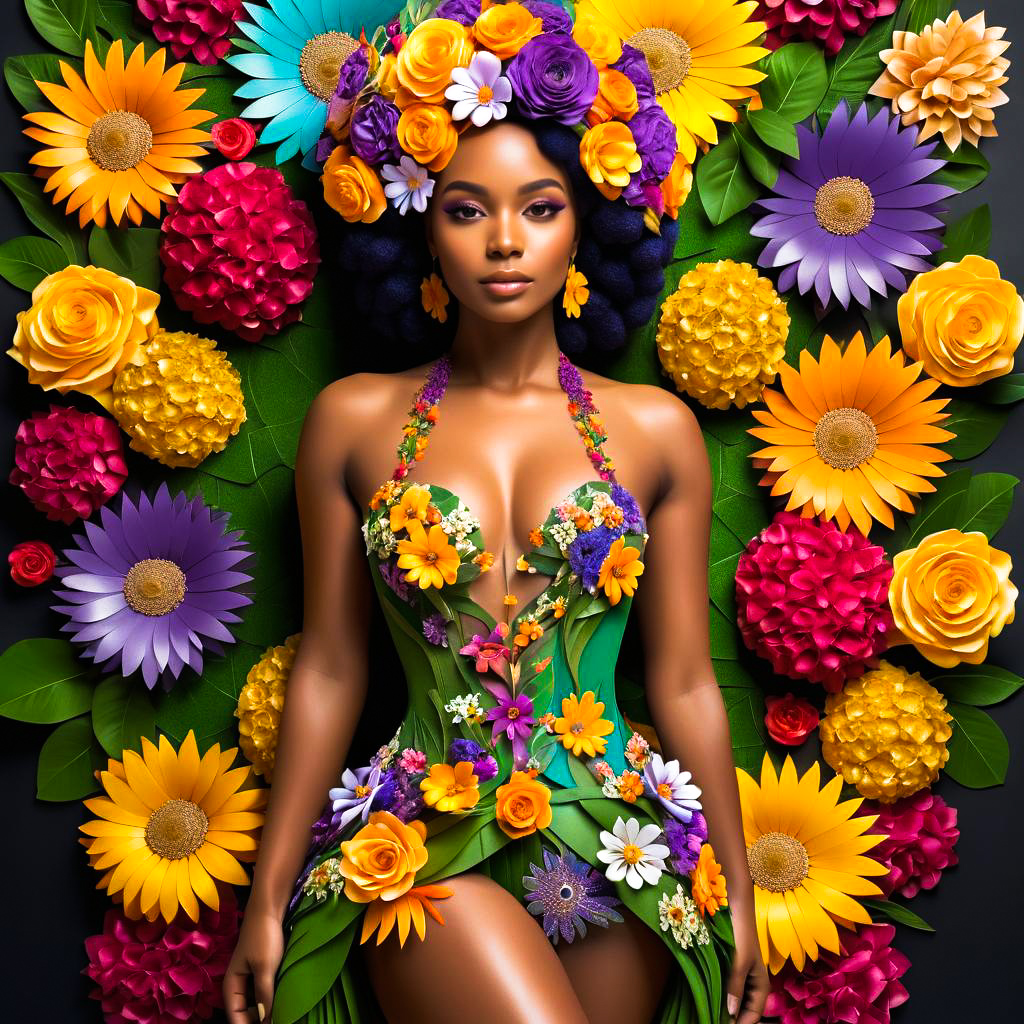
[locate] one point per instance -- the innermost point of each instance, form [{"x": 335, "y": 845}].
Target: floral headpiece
[{"x": 399, "y": 110}]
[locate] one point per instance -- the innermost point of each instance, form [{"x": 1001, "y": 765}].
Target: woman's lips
[{"x": 506, "y": 287}]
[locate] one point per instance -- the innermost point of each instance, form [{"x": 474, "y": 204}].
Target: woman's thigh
[{"x": 489, "y": 961}]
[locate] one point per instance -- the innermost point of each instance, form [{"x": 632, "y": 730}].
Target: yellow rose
[
  {"x": 505, "y": 28},
  {"x": 677, "y": 185},
  {"x": 382, "y": 858},
  {"x": 949, "y": 595},
  {"x": 387, "y": 76},
  {"x": 963, "y": 321},
  {"x": 603, "y": 46},
  {"x": 608, "y": 154},
  {"x": 351, "y": 187},
  {"x": 426, "y": 132},
  {"x": 616, "y": 98},
  {"x": 522, "y": 805},
  {"x": 84, "y": 324},
  {"x": 433, "y": 49}
]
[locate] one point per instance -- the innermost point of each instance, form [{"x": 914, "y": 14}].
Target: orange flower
[
  {"x": 435, "y": 298},
  {"x": 581, "y": 726},
  {"x": 451, "y": 788},
  {"x": 412, "y": 506},
  {"x": 536, "y": 537},
  {"x": 677, "y": 184},
  {"x": 352, "y": 188},
  {"x": 619, "y": 571},
  {"x": 582, "y": 519},
  {"x": 603, "y": 46},
  {"x": 430, "y": 559},
  {"x": 431, "y": 51},
  {"x": 529, "y": 631},
  {"x": 559, "y": 607},
  {"x": 708, "y": 882},
  {"x": 426, "y": 132},
  {"x": 616, "y": 98},
  {"x": 631, "y": 785},
  {"x": 510, "y": 600},
  {"x": 522, "y": 805},
  {"x": 522, "y": 565},
  {"x": 608, "y": 154},
  {"x": 384, "y": 493},
  {"x": 406, "y": 910},
  {"x": 382, "y": 858},
  {"x": 576, "y": 292},
  {"x": 485, "y": 560},
  {"x": 505, "y": 28}
]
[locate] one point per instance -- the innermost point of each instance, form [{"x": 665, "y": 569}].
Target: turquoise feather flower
[{"x": 304, "y": 44}]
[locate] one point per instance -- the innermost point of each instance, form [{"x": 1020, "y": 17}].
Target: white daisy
[
  {"x": 407, "y": 182},
  {"x": 678, "y": 912},
  {"x": 632, "y": 853},
  {"x": 480, "y": 91},
  {"x": 664, "y": 781}
]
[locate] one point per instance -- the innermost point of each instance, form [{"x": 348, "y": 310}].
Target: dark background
[{"x": 966, "y": 971}]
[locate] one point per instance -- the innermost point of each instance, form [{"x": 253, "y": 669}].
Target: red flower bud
[{"x": 790, "y": 719}]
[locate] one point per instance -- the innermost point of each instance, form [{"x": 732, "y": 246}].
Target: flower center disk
[
  {"x": 844, "y": 206},
  {"x": 668, "y": 56},
  {"x": 321, "y": 62},
  {"x": 176, "y": 829},
  {"x": 119, "y": 141},
  {"x": 845, "y": 437},
  {"x": 777, "y": 862},
  {"x": 154, "y": 586}
]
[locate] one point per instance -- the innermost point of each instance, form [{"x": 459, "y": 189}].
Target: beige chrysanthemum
[{"x": 948, "y": 77}]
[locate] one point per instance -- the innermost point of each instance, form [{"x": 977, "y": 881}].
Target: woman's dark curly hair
[{"x": 623, "y": 261}]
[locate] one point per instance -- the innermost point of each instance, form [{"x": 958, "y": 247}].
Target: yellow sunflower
[
  {"x": 123, "y": 137},
  {"x": 581, "y": 726},
  {"x": 804, "y": 851},
  {"x": 698, "y": 54},
  {"x": 170, "y": 825},
  {"x": 851, "y": 434}
]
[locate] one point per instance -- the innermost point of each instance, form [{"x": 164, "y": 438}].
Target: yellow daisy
[
  {"x": 698, "y": 53},
  {"x": 576, "y": 292},
  {"x": 170, "y": 825},
  {"x": 619, "y": 571},
  {"x": 804, "y": 851},
  {"x": 581, "y": 726},
  {"x": 123, "y": 137},
  {"x": 412, "y": 506},
  {"x": 451, "y": 787},
  {"x": 430, "y": 559},
  {"x": 851, "y": 434}
]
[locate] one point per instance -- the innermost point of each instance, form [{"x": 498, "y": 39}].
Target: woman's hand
[
  {"x": 257, "y": 956},
  {"x": 748, "y": 970}
]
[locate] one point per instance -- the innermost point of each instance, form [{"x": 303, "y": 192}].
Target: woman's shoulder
[
  {"x": 648, "y": 409},
  {"x": 367, "y": 396}
]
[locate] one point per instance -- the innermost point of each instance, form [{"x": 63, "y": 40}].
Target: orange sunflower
[
  {"x": 123, "y": 137},
  {"x": 851, "y": 435}
]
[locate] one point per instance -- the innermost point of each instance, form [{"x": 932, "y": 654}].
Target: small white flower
[
  {"x": 407, "y": 182},
  {"x": 672, "y": 788},
  {"x": 631, "y": 853},
  {"x": 563, "y": 534},
  {"x": 465, "y": 707},
  {"x": 610, "y": 787},
  {"x": 679, "y": 913},
  {"x": 479, "y": 92}
]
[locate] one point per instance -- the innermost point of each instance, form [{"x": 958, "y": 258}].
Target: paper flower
[
  {"x": 790, "y": 720},
  {"x": 428, "y": 558},
  {"x": 886, "y": 733},
  {"x": 427, "y": 58},
  {"x": 552, "y": 76},
  {"x": 950, "y": 595},
  {"x": 352, "y": 799},
  {"x": 352, "y": 188},
  {"x": 234, "y": 137},
  {"x": 261, "y": 702},
  {"x": 722, "y": 334},
  {"x": 671, "y": 788},
  {"x": 489, "y": 651},
  {"x": 121, "y": 142},
  {"x": 513, "y": 718},
  {"x": 144, "y": 968},
  {"x": 813, "y": 600},
  {"x": 854, "y": 211},
  {"x": 381, "y": 860},
  {"x": 406, "y": 912},
  {"x": 68, "y": 463},
  {"x": 179, "y": 399},
  {"x": 451, "y": 787},
  {"x": 569, "y": 894},
  {"x": 679, "y": 914},
  {"x": 170, "y": 824},
  {"x": 480, "y": 91},
  {"x": 619, "y": 571},
  {"x": 805, "y": 853},
  {"x": 522, "y": 805},
  {"x": 201, "y": 30},
  {"x": 685, "y": 840},
  {"x": 152, "y": 587},
  {"x": 947, "y": 78},
  {"x": 240, "y": 250},
  {"x": 407, "y": 184},
  {"x": 708, "y": 882},
  {"x": 963, "y": 321},
  {"x": 581, "y": 726},
  {"x": 851, "y": 434},
  {"x": 32, "y": 562},
  {"x": 829, "y": 22},
  {"x": 699, "y": 55},
  {"x": 632, "y": 854}
]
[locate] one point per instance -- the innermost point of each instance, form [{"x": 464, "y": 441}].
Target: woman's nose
[{"x": 505, "y": 239}]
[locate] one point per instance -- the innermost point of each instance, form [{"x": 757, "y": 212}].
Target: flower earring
[
  {"x": 434, "y": 295},
  {"x": 576, "y": 292}
]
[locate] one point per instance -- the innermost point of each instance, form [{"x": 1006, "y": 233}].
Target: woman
[{"x": 511, "y": 690}]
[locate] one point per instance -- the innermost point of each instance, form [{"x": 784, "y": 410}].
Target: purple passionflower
[
  {"x": 684, "y": 841},
  {"x": 553, "y": 76},
  {"x": 490, "y": 651},
  {"x": 373, "y": 131},
  {"x": 588, "y": 550},
  {"x": 514, "y": 717},
  {"x": 465, "y": 12},
  {"x": 552, "y": 17},
  {"x": 671, "y": 788},
  {"x": 854, "y": 212},
  {"x": 633, "y": 64},
  {"x": 152, "y": 587},
  {"x": 353, "y": 797}
]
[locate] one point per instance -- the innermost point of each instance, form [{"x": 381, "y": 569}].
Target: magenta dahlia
[
  {"x": 813, "y": 600},
  {"x": 68, "y": 463},
  {"x": 149, "y": 972},
  {"x": 240, "y": 250},
  {"x": 200, "y": 28},
  {"x": 828, "y": 22},
  {"x": 860, "y": 984},
  {"x": 921, "y": 832}
]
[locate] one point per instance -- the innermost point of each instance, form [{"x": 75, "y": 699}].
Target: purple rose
[
  {"x": 465, "y": 12},
  {"x": 655, "y": 138},
  {"x": 552, "y": 17},
  {"x": 552, "y": 76},
  {"x": 633, "y": 64},
  {"x": 353, "y": 74},
  {"x": 372, "y": 131}
]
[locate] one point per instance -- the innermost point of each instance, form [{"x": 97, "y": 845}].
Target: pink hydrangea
[
  {"x": 828, "y": 22},
  {"x": 149, "y": 972},
  {"x": 921, "y": 832},
  {"x": 200, "y": 28},
  {"x": 240, "y": 250},
  {"x": 813, "y": 600},
  {"x": 861, "y": 984},
  {"x": 68, "y": 463}
]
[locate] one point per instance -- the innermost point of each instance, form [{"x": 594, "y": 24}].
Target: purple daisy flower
[
  {"x": 570, "y": 894},
  {"x": 853, "y": 212},
  {"x": 152, "y": 587},
  {"x": 514, "y": 717}
]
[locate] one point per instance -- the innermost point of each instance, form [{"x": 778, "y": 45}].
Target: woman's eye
[
  {"x": 464, "y": 211},
  {"x": 543, "y": 208}
]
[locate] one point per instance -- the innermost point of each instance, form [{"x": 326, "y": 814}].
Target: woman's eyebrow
[{"x": 480, "y": 190}]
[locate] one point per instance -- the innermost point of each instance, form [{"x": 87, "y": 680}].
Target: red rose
[
  {"x": 790, "y": 719},
  {"x": 32, "y": 563},
  {"x": 234, "y": 137}
]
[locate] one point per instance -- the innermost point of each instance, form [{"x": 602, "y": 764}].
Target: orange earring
[
  {"x": 434, "y": 296},
  {"x": 576, "y": 292}
]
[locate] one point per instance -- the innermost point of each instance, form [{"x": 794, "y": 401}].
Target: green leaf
[
  {"x": 130, "y": 252},
  {"x": 724, "y": 185},
  {"x": 976, "y": 426},
  {"x": 896, "y": 912},
  {"x": 28, "y": 260},
  {"x": 762, "y": 163},
  {"x": 745, "y": 708},
  {"x": 22, "y": 73},
  {"x": 122, "y": 713},
  {"x": 300, "y": 988},
  {"x": 987, "y": 503},
  {"x": 923, "y": 12},
  {"x": 978, "y": 751},
  {"x": 856, "y": 67},
  {"x": 970, "y": 234},
  {"x": 64, "y": 24},
  {"x": 1001, "y": 390},
  {"x": 965, "y": 169},
  {"x": 42, "y": 681},
  {"x": 67, "y": 761},
  {"x": 775, "y": 130},
  {"x": 117, "y": 19},
  {"x": 978, "y": 685},
  {"x": 45, "y": 216},
  {"x": 796, "y": 82}
]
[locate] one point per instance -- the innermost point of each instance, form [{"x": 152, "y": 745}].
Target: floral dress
[{"x": 513, "y": 758}]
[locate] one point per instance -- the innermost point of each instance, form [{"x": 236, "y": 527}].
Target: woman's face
[{"x": 501, "y": 210}]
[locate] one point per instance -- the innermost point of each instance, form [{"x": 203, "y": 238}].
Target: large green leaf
[
  {"x": 987, "y": 503},
  {"x": 64, "y": 24},
  {"x": 299, "y": 988},
  {"x": 42, "y": 681},
  {"x": 130, "y": 252},
  {"x": 979, "y": 753},
  {"x": 856, "y": 67},
  {"x": 762, "y": 162},
  {"x": 67, "y": 762},
  {"x": 976, "y": 426},
  {"x": 922, "y": 13},
  {"x": 1002, "y": 390},
  {"x": 23, "y": 71},
  {"x": 776, "y": 130},
  {"x": 122, "y": 713},
  {"x": 896, "y": 912},
  {"x": 972, "y": 233},
  {"x": 30, "y": 259},
  {"x": 44, "y": 215},
  {"x": 965, "y": 169},
  {"x": 745, "y": 708},
  {"x": 796, "y": 83},
  {"x": 723, "y": 182},
  {"x": 978, "y": 685}
]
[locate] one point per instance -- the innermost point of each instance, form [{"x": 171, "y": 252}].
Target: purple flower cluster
[
  {"x": 571, "y": 381},
  {"x": 633, "y": 64},
  {"x": 684, "y": 841},
  {"x": 484, "y": 765},
  {"x": 434, "y": 629},
  {"x": 393, "y": 578},
  {"x": 588, "y": 551},
  {"x": 465, "y": 12},
  {"x": 406, "y": 800},
  {"x": 437, "y": 381},
  {"x": 632, "y": 518}
]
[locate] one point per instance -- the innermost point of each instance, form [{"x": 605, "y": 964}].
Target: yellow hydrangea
[
  {"x": 885, "y": 733},
  {"x": 722, "y": 334}
]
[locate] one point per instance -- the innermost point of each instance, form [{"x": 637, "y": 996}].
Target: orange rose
[
  {"x": 505, "y": 28},
  {"x": 522, "y": 806},
  {"x": 603, "y": 46},
  {"x": 608, "y": 154},
  {"x": 677, "y": 185},
  {"x": 382, "y": 858},
  {"x": 426, "y": 132},
  {"x": 351, "y": 187},
  {"x": 616, "y": 98},
  {"x": 434, "y": 48}
]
